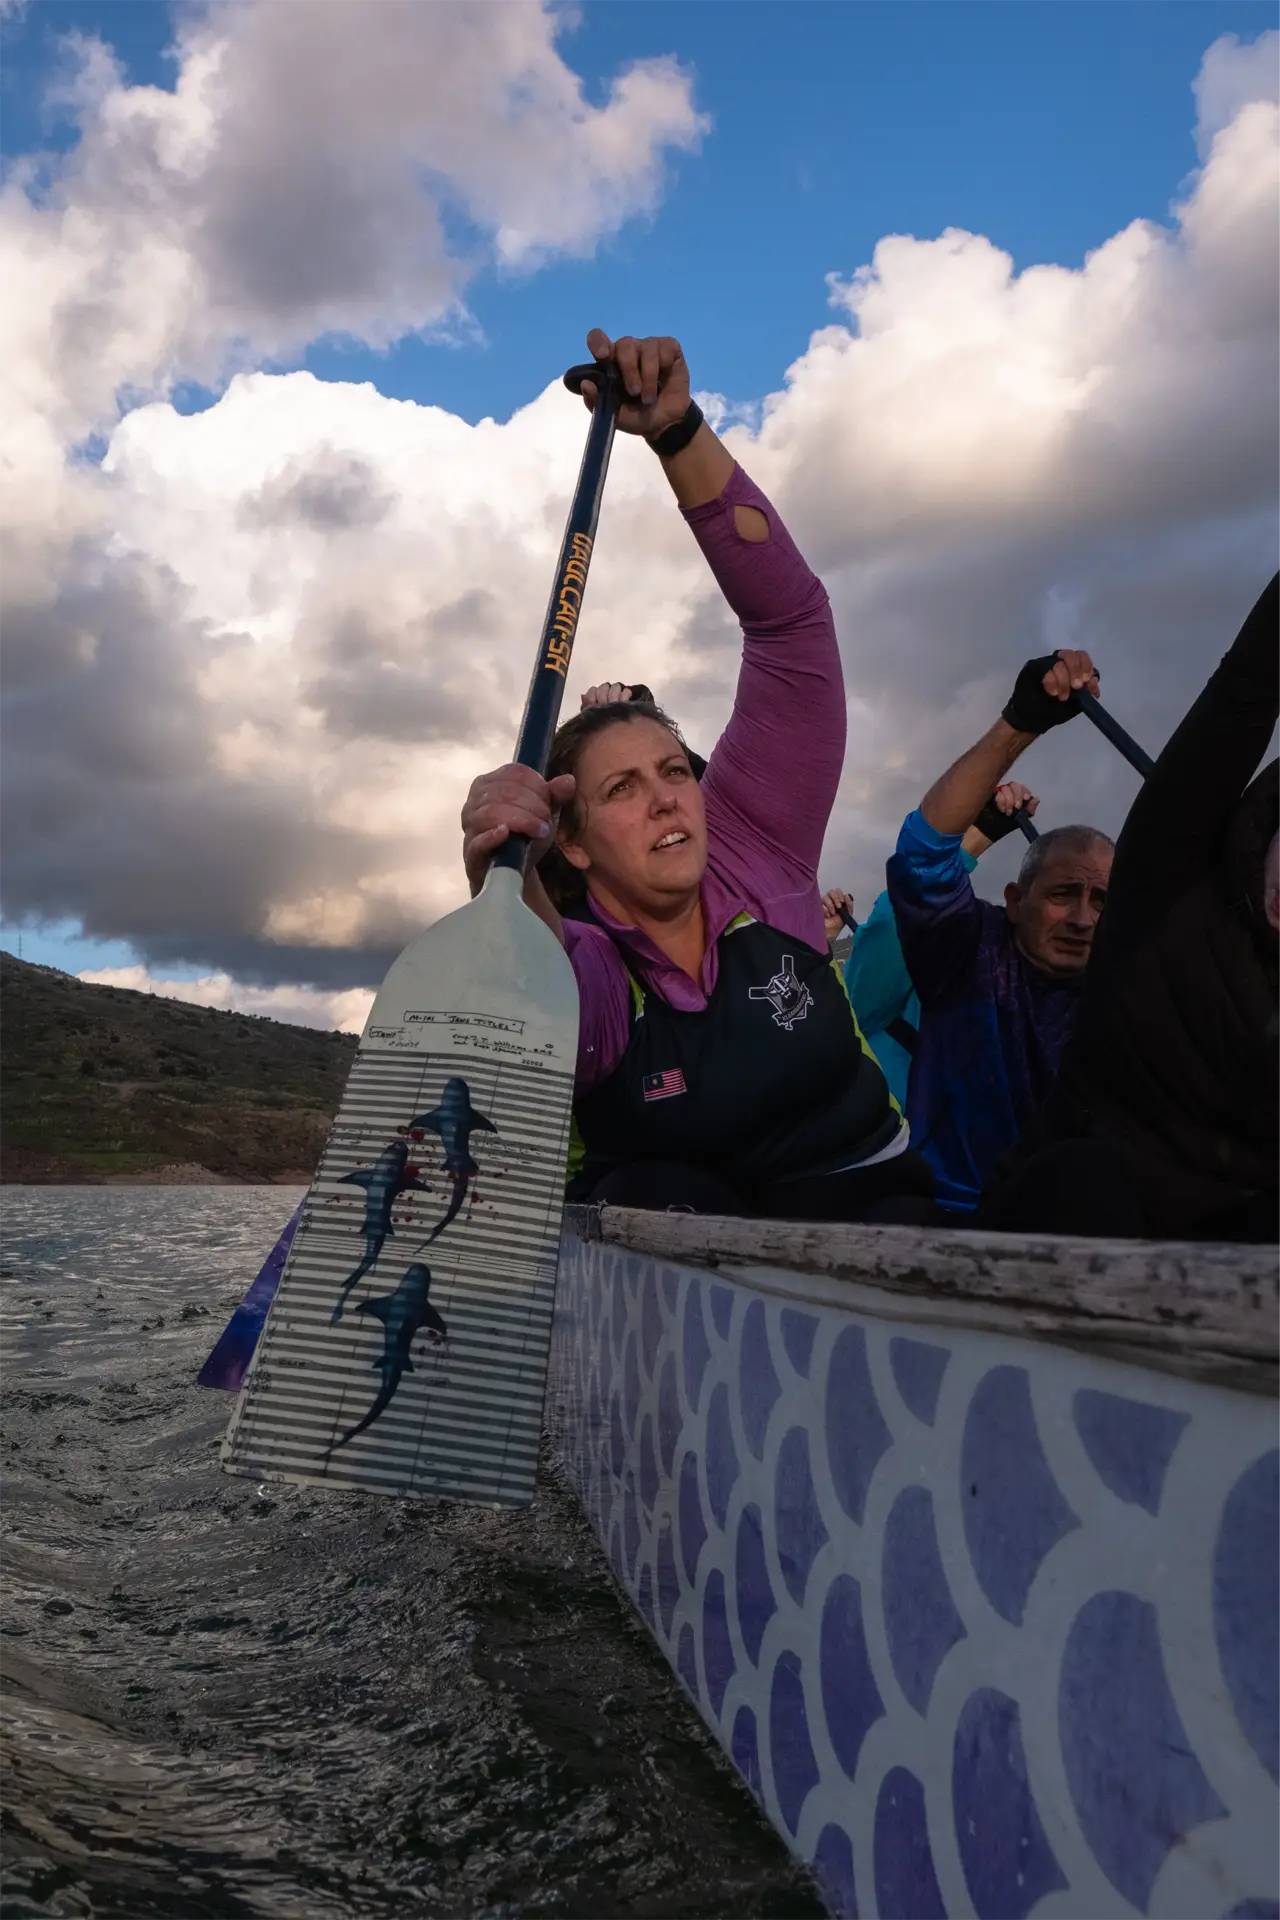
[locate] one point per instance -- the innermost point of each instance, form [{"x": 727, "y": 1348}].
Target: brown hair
[{"x": 566, "y": 886}]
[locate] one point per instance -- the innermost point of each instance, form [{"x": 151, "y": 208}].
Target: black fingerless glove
[
  {"x": 991, "y": 822},
  {"x": 1030, "y": 708}
]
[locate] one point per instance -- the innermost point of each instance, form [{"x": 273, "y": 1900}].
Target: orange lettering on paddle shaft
[{"x": 568, "y": 605}]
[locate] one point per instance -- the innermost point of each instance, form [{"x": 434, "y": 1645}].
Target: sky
[{"x": 985, "y": 294}]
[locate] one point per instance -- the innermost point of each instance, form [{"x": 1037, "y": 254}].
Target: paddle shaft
[
  {"x": 546, "y": 689},
  {"x": 1093, "y": 709},
  {"x": 1026, "y": 825}
]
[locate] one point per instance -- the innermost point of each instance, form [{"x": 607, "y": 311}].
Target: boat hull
[{"x": 987, "y": 1624}]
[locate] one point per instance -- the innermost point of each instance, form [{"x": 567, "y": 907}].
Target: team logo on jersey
[{"x": 788, "y": 996}]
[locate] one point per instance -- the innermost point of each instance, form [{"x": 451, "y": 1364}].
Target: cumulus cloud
[
  {"x": 989, "y": 464},
  {"x": 261, "y": 650},
  {"x": 296, "y": 1006},
  {"x": 176, "y": 770},
  {"x": 313, "y": 170}
]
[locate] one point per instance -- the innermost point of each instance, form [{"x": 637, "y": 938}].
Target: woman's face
[
  {"x": 1271, "y": 881},
  {"x": 641, "y": 834}
]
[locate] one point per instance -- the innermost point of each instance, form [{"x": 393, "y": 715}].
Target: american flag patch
[{"x": 663, "y": 1086}]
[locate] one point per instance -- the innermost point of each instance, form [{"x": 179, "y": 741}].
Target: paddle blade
[{"x": 478, "y": 1016}]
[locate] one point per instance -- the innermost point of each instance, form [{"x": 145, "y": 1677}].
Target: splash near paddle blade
[{"x": 464, "y": 1072}]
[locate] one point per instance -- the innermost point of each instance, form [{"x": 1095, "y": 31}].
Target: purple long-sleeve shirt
[{"x": 768, "y": 790}]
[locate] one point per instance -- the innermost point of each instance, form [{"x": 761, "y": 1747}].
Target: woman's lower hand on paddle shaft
[{"x": 512, "y": 799}]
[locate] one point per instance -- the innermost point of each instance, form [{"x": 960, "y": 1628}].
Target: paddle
[
  {"x": 1026, "y": 825},
  {"x": 229, "y": 1362},
  {"x": 1093, "y": 709},
  {"x": 470, "y": 1047}
]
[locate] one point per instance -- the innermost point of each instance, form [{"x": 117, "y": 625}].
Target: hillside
[{"x": 98, "y": 1083}]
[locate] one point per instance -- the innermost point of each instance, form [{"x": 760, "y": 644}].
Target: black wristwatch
[{"x": 675, "y": 439}]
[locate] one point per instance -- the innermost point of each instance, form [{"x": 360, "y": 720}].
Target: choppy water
[{"x": 226, "y": 1701}]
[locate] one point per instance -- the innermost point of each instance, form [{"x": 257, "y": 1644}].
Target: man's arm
[
  {"x": 1039, "y": 702},
  {"x": 935, "y": 909},
  {"x": 1176, "y": 822}
]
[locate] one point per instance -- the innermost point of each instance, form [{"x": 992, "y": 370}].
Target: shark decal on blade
[
  {"x": 403, "y": 1314},
  {"x": 455, "y": 1120},
  {"x": 383, "y": 1183}
]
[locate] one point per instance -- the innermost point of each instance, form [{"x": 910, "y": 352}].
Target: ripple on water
[{"x": 225, "y": 1701}]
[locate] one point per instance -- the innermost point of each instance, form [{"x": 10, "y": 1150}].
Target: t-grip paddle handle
[
  {"x": 848, "y": 919},
  {"x": 546, "y": 689},
  {"x": 1092, "y": 709},
  {"x": 1026, "y": 825}
]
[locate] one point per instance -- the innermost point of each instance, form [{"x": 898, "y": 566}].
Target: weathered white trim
[{"x": 1207, "y": 1312}]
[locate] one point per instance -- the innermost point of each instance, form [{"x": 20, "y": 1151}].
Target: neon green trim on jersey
[
  {"x": 577, "y": 1152},
  {"x": 862, "y": 1038}
]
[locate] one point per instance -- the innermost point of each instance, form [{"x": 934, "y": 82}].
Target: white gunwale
[{"x": 1202, "y": 1311}]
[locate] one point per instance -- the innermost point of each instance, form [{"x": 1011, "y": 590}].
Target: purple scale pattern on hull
[
  {"x": 1013, "y": 1510},
  {"x": 697, "y": 1349},
  {"x": 798, "y": 1524},
  {"x": 644, "y": 1598},
  {"x": 857, "y": 1437},
  {"x": 906, "y": 1883},
  {"x": 744, "y": 1748},
  {"x": 795, "y": 1771},
  {"x": 669, "y": 1415},
  {"x": 798, "y": 1332},
  {"x": 788, "y": 1495},
  {"x": 1246, "y": 1605},
  {"x": 759, "y": 1386},
  {"x": 753, "y": 1593},
  {"x": 917, "y": 1372},
  {"x": 850, "y": 1698},
  {"x": 1136, "y": 1784},
  {"x": 921, "y": 1621},
  {"x": 693, "y": 1528},
  {"x": 649, "y": 1482},
  {"x": 1129, "y": 1443},
  {"x": 717, "y": 1648},
  {"x": 721, "y": 1459},
  {"x": 833, "y": 1867},
  {"x": 1008, "y": 1863}
]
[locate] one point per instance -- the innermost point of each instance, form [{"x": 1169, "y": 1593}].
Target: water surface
[{"x": 222, "y": 1699}]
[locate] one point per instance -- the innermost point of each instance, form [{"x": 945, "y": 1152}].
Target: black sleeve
[{"x": 1175, "y": 825}]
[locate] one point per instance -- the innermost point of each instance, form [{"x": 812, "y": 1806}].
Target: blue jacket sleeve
[
  {"x": 937, "y": 913},
  {"x": 875, "y": 972}
]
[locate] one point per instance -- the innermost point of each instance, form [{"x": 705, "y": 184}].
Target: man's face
[{"x": 1056, "y": 918}]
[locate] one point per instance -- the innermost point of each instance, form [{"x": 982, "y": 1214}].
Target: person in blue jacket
[
  {"x": 885, "y": 1003},
  {"x": 999, "y": 988}
]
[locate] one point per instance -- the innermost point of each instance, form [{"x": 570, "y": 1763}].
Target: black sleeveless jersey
[{"x": 772, "y": 1080}]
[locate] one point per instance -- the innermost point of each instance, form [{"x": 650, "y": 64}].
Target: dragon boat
[{"x": 963, "y": 1545}]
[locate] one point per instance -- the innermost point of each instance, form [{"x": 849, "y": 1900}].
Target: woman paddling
[{"x": 719, "y": 1064}]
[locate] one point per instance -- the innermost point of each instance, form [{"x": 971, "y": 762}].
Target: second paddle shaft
[{"x": 1106, "y": 723}]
